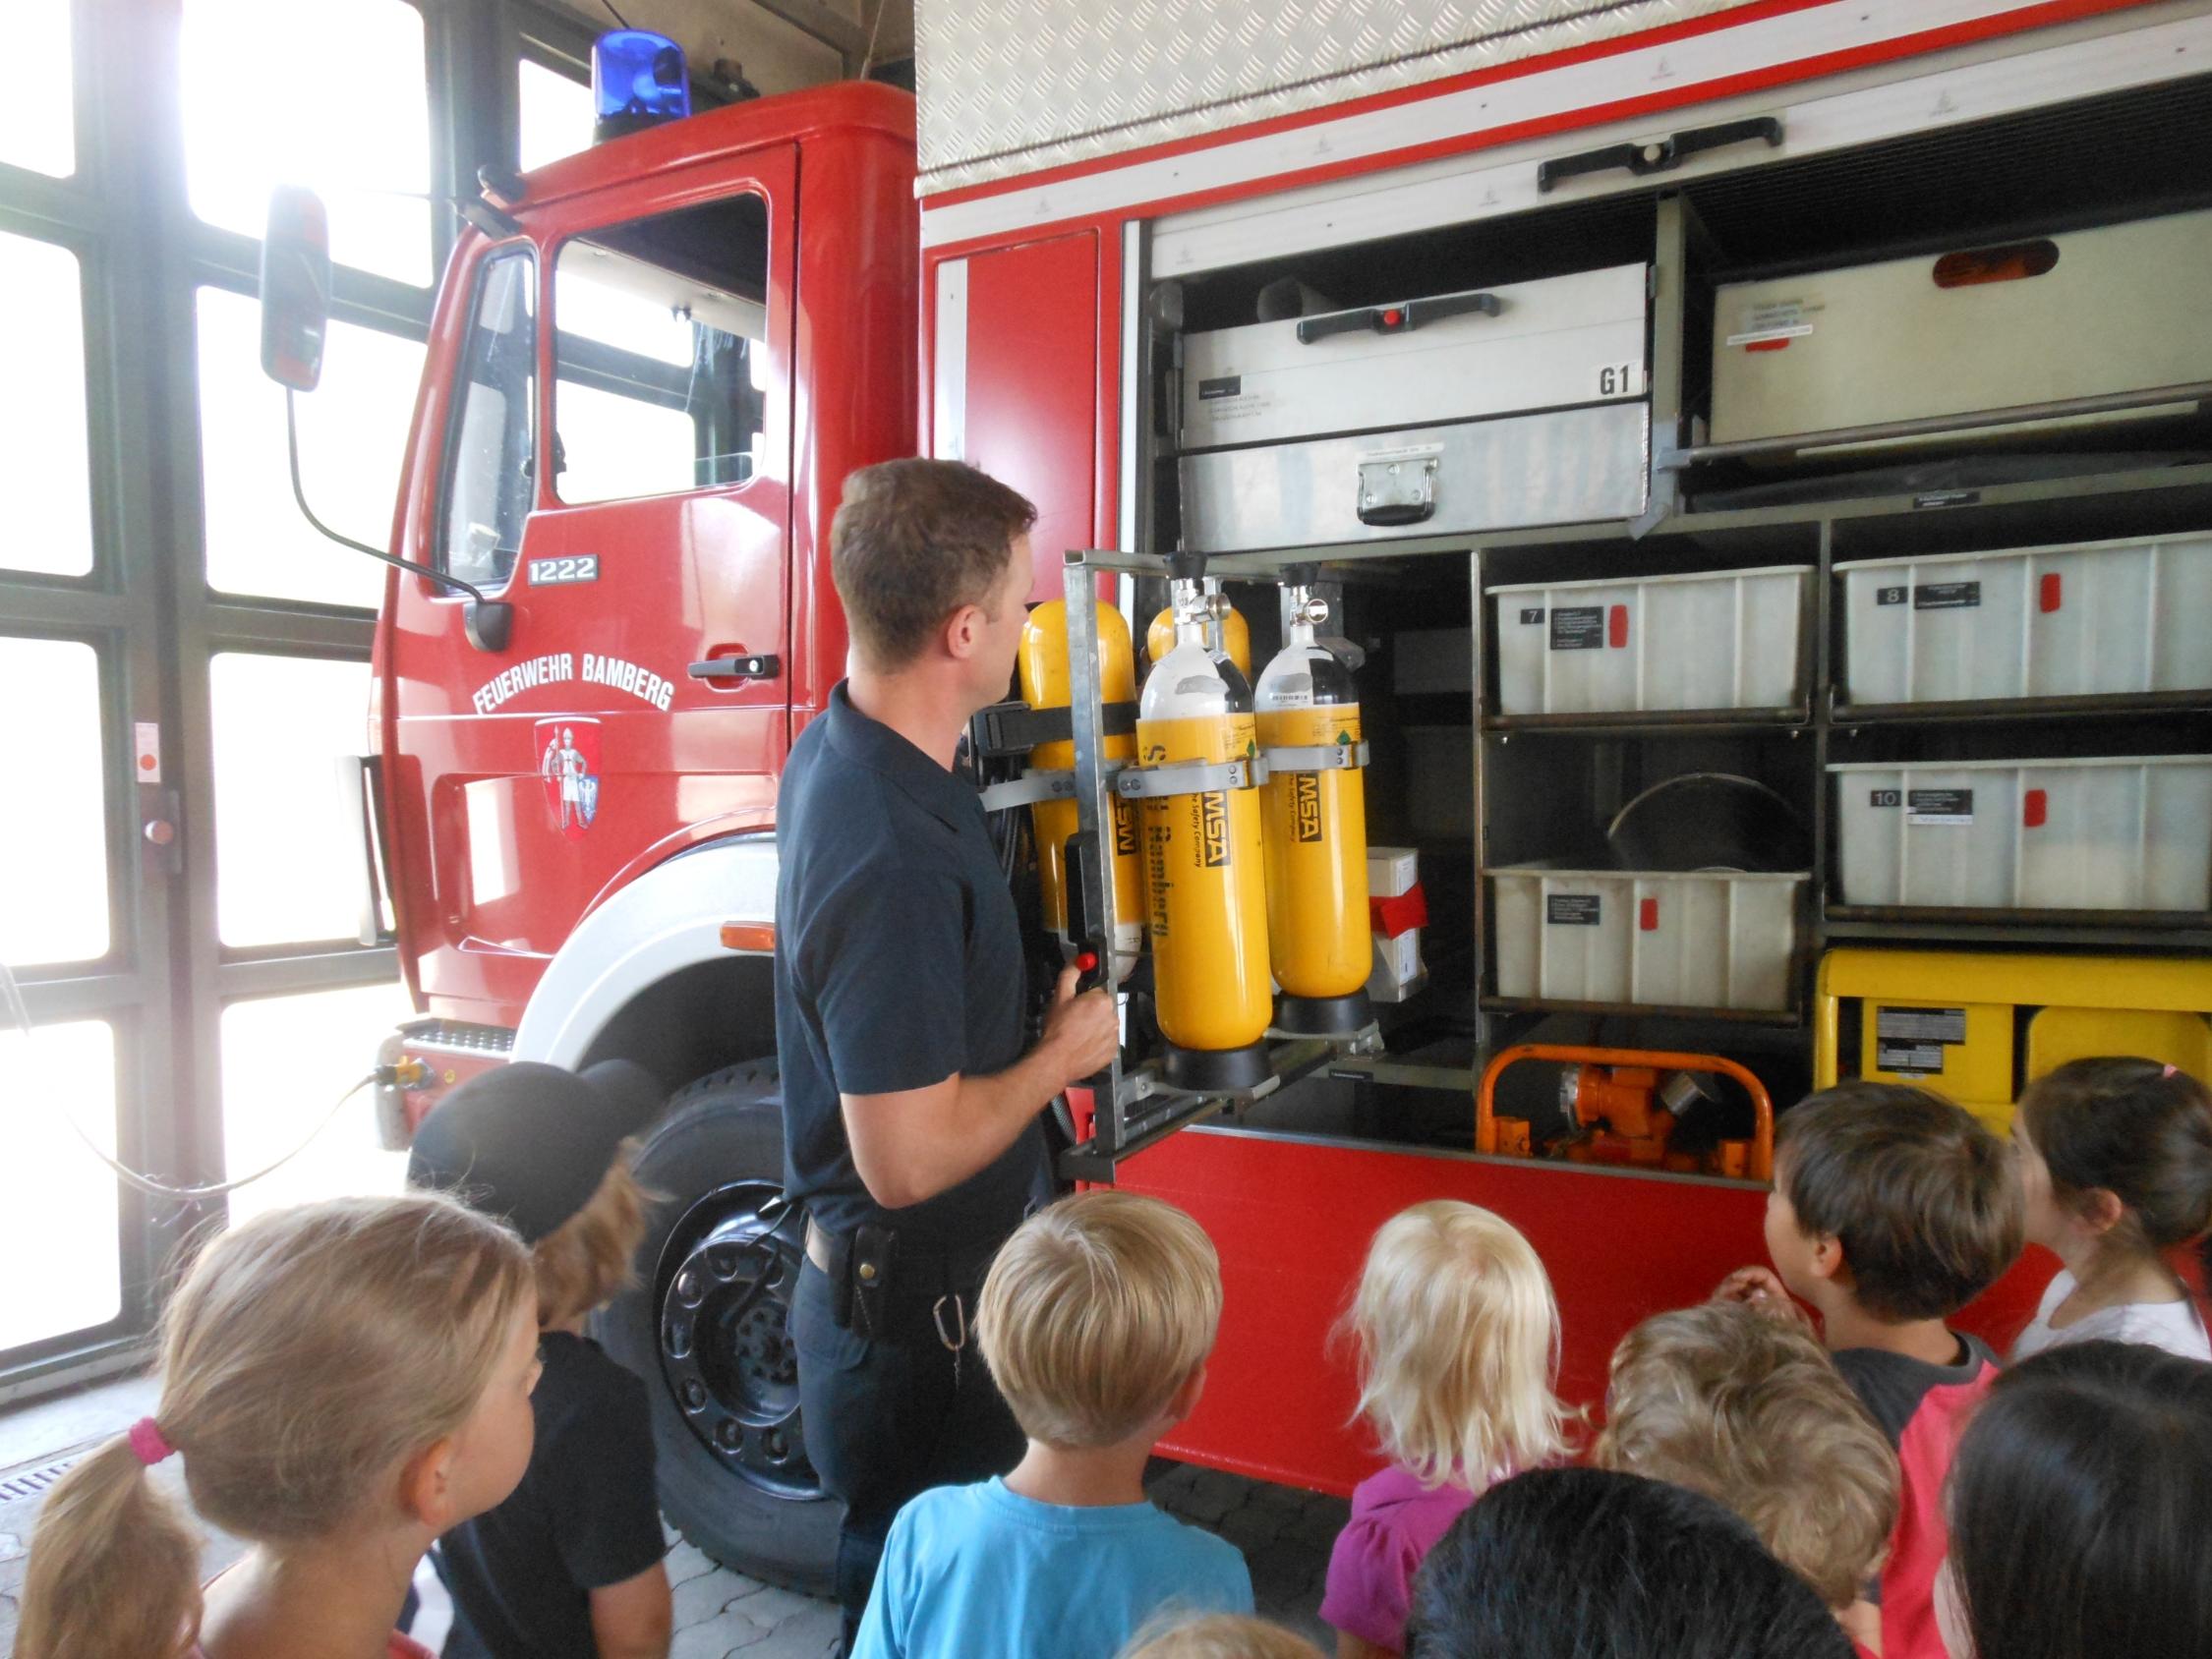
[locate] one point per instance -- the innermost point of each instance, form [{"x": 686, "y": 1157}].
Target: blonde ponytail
[
  {"x": 305, "y": 1357},
  {"x": 116, "y": 1569}
]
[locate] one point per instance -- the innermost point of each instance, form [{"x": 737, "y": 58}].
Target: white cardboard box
[{"x": 1392, "y": 871}]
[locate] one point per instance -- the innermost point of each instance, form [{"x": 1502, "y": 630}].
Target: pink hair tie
[{"x": 149, "y": 1444}]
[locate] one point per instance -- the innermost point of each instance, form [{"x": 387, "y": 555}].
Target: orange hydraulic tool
[{"x": 1625, "y": 1091}]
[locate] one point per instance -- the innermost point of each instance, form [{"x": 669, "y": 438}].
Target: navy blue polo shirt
[{"x": 898, "y": 963}]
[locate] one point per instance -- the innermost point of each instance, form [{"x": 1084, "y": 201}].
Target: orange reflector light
[
  {"x": 748, "y": 936},
  {"x": 2008, "y": 264}
]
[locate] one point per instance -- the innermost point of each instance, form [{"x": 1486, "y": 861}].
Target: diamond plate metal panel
[{"x": 1010, "y": 86}]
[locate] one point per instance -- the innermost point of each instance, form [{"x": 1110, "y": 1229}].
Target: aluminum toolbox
[
  {"x": 1500, "y": 408},
  {"x": 2126, "y": 833},
  {"x": 1567, "y": 466},
  {"x": 2080, "y": 620},
  {"x": 1727, "y": 638},
  {"x": 2077, "y": 314},
  {"x": 1695, "y": 939},
  {"x": 1455, "y": 357}
]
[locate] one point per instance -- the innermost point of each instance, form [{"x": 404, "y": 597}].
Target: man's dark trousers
[{"x": 884, "y": 1421}]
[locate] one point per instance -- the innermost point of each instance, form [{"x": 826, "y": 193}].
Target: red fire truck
[{"x": 1190, "y": 297}]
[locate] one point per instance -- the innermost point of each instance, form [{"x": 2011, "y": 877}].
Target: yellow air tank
[
  {"x": 1204, "y": 876},
  {"x": 1314, "y": 820},
  {"x": 1045, "y": 684},
  {"x": 1227, "y": 634}
]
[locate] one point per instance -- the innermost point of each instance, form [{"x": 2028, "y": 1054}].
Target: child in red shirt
[{"x": 1891, "y": 1210}]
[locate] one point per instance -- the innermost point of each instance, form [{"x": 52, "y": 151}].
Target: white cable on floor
[{"x": 18, "y": 1013}]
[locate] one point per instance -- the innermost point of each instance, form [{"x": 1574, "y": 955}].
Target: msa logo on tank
[
  {"x": 1125, "y": 830},
  {"x": 1214, "y": 828},
  {"x": 568, "y": 765},
  {"x": 1306, "y": 805}
]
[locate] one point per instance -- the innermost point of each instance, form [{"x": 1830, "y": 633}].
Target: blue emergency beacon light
[{"x": 638, "y": 80}]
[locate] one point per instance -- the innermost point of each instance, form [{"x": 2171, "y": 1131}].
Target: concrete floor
[{"x": 1285, "y": 1537}]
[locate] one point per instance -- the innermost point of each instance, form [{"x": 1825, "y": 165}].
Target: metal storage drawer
[
  {"x": 2097, "y": 618},
  {"x": 1724, "y": 638},
  {"x": 1568, "y": 466},
  {"x": 2123, "y": 834},
  {"x": 1563, "y": 340},
  {"x": 1693, "y": 940},
  {"x": 2113, "y": 308}
]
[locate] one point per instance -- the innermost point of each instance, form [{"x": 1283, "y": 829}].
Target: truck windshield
[{"x": 656, "y": 323}]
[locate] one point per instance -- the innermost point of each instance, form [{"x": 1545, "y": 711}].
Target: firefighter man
[{"x": 910, "y": 1111}]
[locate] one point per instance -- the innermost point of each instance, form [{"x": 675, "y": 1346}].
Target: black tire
[{"x": 712, "y": 1348}]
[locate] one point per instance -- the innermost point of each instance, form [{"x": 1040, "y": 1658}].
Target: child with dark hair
[
  {"x": 2116, "y": 1161},
  {"x": 2079, "y": 1506},
  {"x": 1592, "y": 1563},
  {"x": 1891, "y": 1210}
]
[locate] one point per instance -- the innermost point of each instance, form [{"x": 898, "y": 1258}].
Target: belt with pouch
[{"x": 884, "y": 1290}]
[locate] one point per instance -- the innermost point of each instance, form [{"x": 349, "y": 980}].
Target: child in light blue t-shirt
[{"x": 1096, "y": 1321}]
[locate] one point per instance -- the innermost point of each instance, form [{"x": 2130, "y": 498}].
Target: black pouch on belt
[{"x": 866, "y": 1290}]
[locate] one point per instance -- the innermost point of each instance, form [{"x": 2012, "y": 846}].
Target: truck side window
[
  {"x": 494, "y": 432},
  {"x": 656, "y": 325}
]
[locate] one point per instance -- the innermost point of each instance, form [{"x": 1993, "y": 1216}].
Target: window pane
[
  {"x": 654, "y": 323},
  {"x": 494, "y": 438},
  {"x": 353, "y": 434},
  {"x": 333, "y": 96},
  {"x": 61, "y": 1210},
  {"x": 55, "y": 826},
  {"x": 38, "y": 113},
  {"x": 43, "y": 443},
  {"x": 289, "y": 855},
  {"x": 285, "y": 1059},
  {"x": 556, "y": 115}
]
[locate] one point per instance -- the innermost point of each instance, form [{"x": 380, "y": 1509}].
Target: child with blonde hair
[
  {"x": 1458, "y": 1339},
  {"x": 1095, "y": 1319},
  {"x": 343, "y": 1382},
  {"x": 570, "y": 1566},
  {"x": 2115, "y": 1163},
  {"x": 1218, "y": 1635},
  {"x": 1749, "y": 1408}
]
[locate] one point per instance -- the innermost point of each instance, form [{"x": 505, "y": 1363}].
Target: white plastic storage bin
[
  {"x": 1697, "y": 940},
  {"x": 2098, "y": 617},
  {"x": 1725, "y": 639},
  {"x": 2129, "y": 833}
]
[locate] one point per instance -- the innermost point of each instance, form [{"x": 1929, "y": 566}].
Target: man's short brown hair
[
  {"x": 913, "y": 542},
  {"x": 1749, "y": 1408},
  {"x": 1922, "y": 1197}
]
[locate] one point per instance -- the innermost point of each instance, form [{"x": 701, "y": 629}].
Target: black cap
[{"x": 531, "y": 1142}]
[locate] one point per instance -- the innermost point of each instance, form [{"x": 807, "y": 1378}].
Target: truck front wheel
[{"x": 705, "y": 1328}]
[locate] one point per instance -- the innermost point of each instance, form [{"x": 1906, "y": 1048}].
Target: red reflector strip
[
  {"x": 1767, "y": 345},
  {"x": 2036, "y": 808},
  {"x": 1616, "y": 626},
  {"x": 748, "y": 936},
  {"x": 1647, "y": 915},
  {"x": 2050, "y": 592}
]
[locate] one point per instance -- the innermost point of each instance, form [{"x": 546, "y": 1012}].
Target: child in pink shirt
[{"x": 1457, "y": 1330}]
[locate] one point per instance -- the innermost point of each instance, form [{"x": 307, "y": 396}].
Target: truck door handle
[
  {"x": 736, "y": 668},
  {"x": 1661, "y": 156},
  {"x": 1396, "y": 320}
]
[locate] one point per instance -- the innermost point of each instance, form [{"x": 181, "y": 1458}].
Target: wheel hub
[{"x": 725, "y": 1351}]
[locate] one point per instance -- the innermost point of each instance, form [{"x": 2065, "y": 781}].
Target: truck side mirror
[{"x": 295, "y": 288}]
